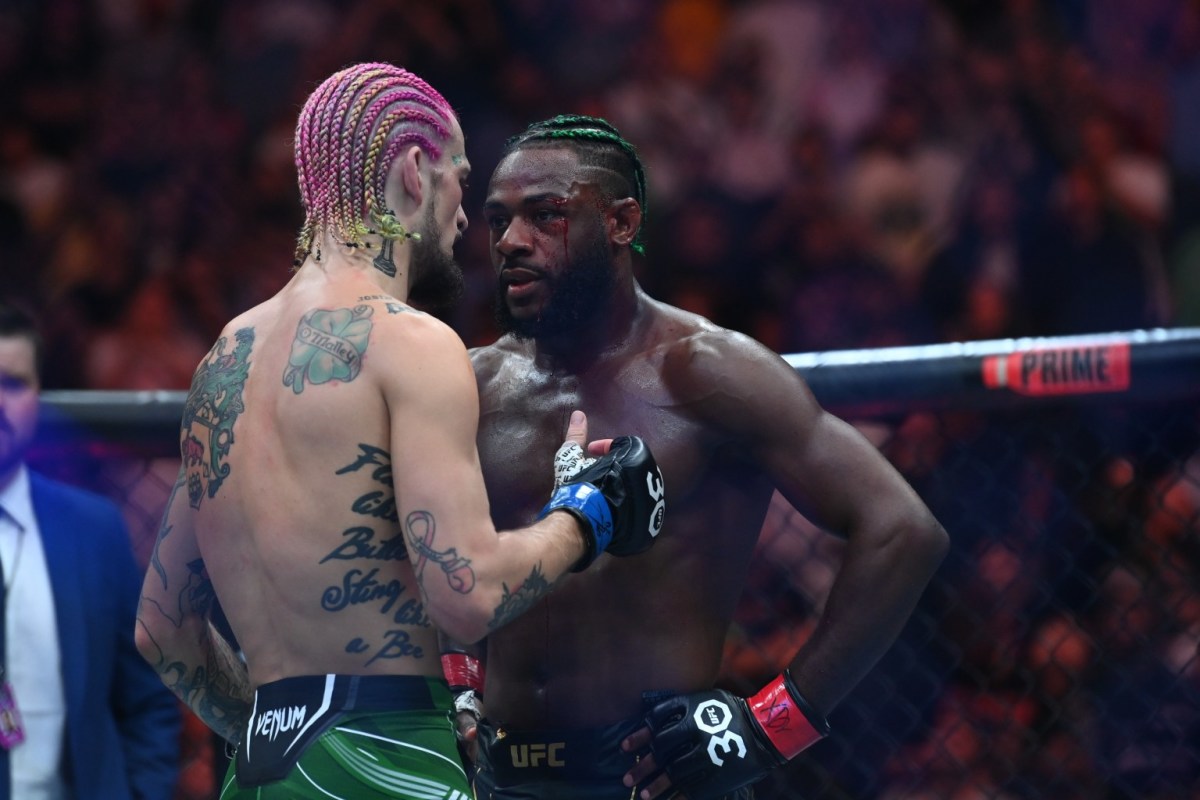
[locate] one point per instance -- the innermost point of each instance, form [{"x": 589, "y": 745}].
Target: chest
[{"x": 523, "y": 422}]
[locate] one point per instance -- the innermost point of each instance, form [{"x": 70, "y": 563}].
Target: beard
[
  {"x": 577, "y": 296},
  {"x": 437, "y": 278}
]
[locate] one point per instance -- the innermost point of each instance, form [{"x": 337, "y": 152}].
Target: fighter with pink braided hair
[
  {"x": 330, "y": 497},
  {"x": 349, "y": 135}
]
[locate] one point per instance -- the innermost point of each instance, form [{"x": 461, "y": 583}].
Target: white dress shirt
[{"x": 34, "y": 666}]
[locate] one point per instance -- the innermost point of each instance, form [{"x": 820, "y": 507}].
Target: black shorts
[{"x": 585, "y": 764}]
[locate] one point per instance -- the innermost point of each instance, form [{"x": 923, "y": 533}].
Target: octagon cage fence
[{"x": 1054, "y": 655}]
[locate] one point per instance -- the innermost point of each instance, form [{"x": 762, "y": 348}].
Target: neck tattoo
[{"x": 383, "y": 262}]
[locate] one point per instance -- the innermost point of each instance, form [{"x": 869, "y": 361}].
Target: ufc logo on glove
[
  {"x": 712, "y": 742},
  {"x": 713, "y": 717}
]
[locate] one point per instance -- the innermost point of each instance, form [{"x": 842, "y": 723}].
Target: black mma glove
[
  {"x": 713, "y": 743},
  {"x": 619, "y": 496}
]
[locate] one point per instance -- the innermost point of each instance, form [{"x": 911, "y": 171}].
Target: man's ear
[
  {"x": 624, "y": 220},
  {"x": 405, "y": 187}
]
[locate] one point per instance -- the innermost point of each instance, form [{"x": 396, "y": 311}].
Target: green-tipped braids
[
  {"x": 598, "y": 144},
  {"x": 351, "y": 129}
]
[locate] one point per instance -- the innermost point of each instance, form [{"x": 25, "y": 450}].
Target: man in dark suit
[{"x": 81, "y": 713}]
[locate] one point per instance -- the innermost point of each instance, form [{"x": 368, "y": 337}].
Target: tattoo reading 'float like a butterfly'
[
  {"x": 329, "y": 346},
  {"x": 213, "y": 405}
]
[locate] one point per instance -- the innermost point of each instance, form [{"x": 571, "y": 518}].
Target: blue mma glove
[{"x": 619, "y": 497}]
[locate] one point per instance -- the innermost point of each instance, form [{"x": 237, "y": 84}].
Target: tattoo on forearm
[
  {"x": 328, "y": 346},
  {"x": 211, "y": 679},
  {"x": 196, "y": 597},
  {"x": 165, "y": 527},
  {"x": 218, "y": 691},
  {"x": 419, "y": 528},
  {"x": 213, "y": 405},
  {"x": 518, "y": 601}
]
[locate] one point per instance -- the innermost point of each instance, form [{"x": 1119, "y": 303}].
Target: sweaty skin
[
  {"x": 729, "y": 422},
  {"x": 674, "y": 603},
  {"x": 330, "y": 496}
]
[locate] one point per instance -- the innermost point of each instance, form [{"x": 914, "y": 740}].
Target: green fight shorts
[{"x": 349, "y": 736}]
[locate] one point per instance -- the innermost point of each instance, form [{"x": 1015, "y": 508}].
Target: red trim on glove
[
  {"x": 782, "y": 720},
  {"x": 463, "y": 670}
]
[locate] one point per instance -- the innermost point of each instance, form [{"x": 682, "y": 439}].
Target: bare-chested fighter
[
  {"x": 621, "y": 660},
  {"x": 330, "y": 497}
]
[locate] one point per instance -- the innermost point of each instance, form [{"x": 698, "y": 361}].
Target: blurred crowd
[
  {"x": 1057, "y": 652},
  {"x": 823, "y": 174}
]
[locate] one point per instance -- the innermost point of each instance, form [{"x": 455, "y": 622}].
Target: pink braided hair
[{"x": 350, "y": 130}]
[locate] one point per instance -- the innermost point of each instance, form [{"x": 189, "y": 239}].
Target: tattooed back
[{"x": 287, "y": 450}]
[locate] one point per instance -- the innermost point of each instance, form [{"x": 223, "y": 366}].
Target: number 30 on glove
[
  {"x": 712, "y": 743},
  {"x": 619, "y": 497}
]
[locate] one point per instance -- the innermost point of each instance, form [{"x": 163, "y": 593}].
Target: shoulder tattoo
[
  {"x": 329, "y": 346},
  {"x": 213, "y": 405}
]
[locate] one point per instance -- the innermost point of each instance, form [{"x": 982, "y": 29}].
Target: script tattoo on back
[
  {"x": 329, "y": 346},
  {"x": 381, "y": 502},
  {"x": 367, "y": 580},
  {"x": 213, "y": 405}
]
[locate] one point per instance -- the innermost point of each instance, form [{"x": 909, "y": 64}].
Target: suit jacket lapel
[{"x": 63, "y": 563}]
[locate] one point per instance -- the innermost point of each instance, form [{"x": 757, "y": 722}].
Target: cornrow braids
[
  {"x": 598, "y": 144},
  {"x": 348, "y": 133}
]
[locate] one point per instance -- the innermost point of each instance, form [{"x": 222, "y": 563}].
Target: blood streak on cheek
[{"x": 566, "y": 229}]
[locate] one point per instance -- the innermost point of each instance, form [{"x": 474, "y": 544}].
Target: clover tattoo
[{"x": 329, "y": 346}]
